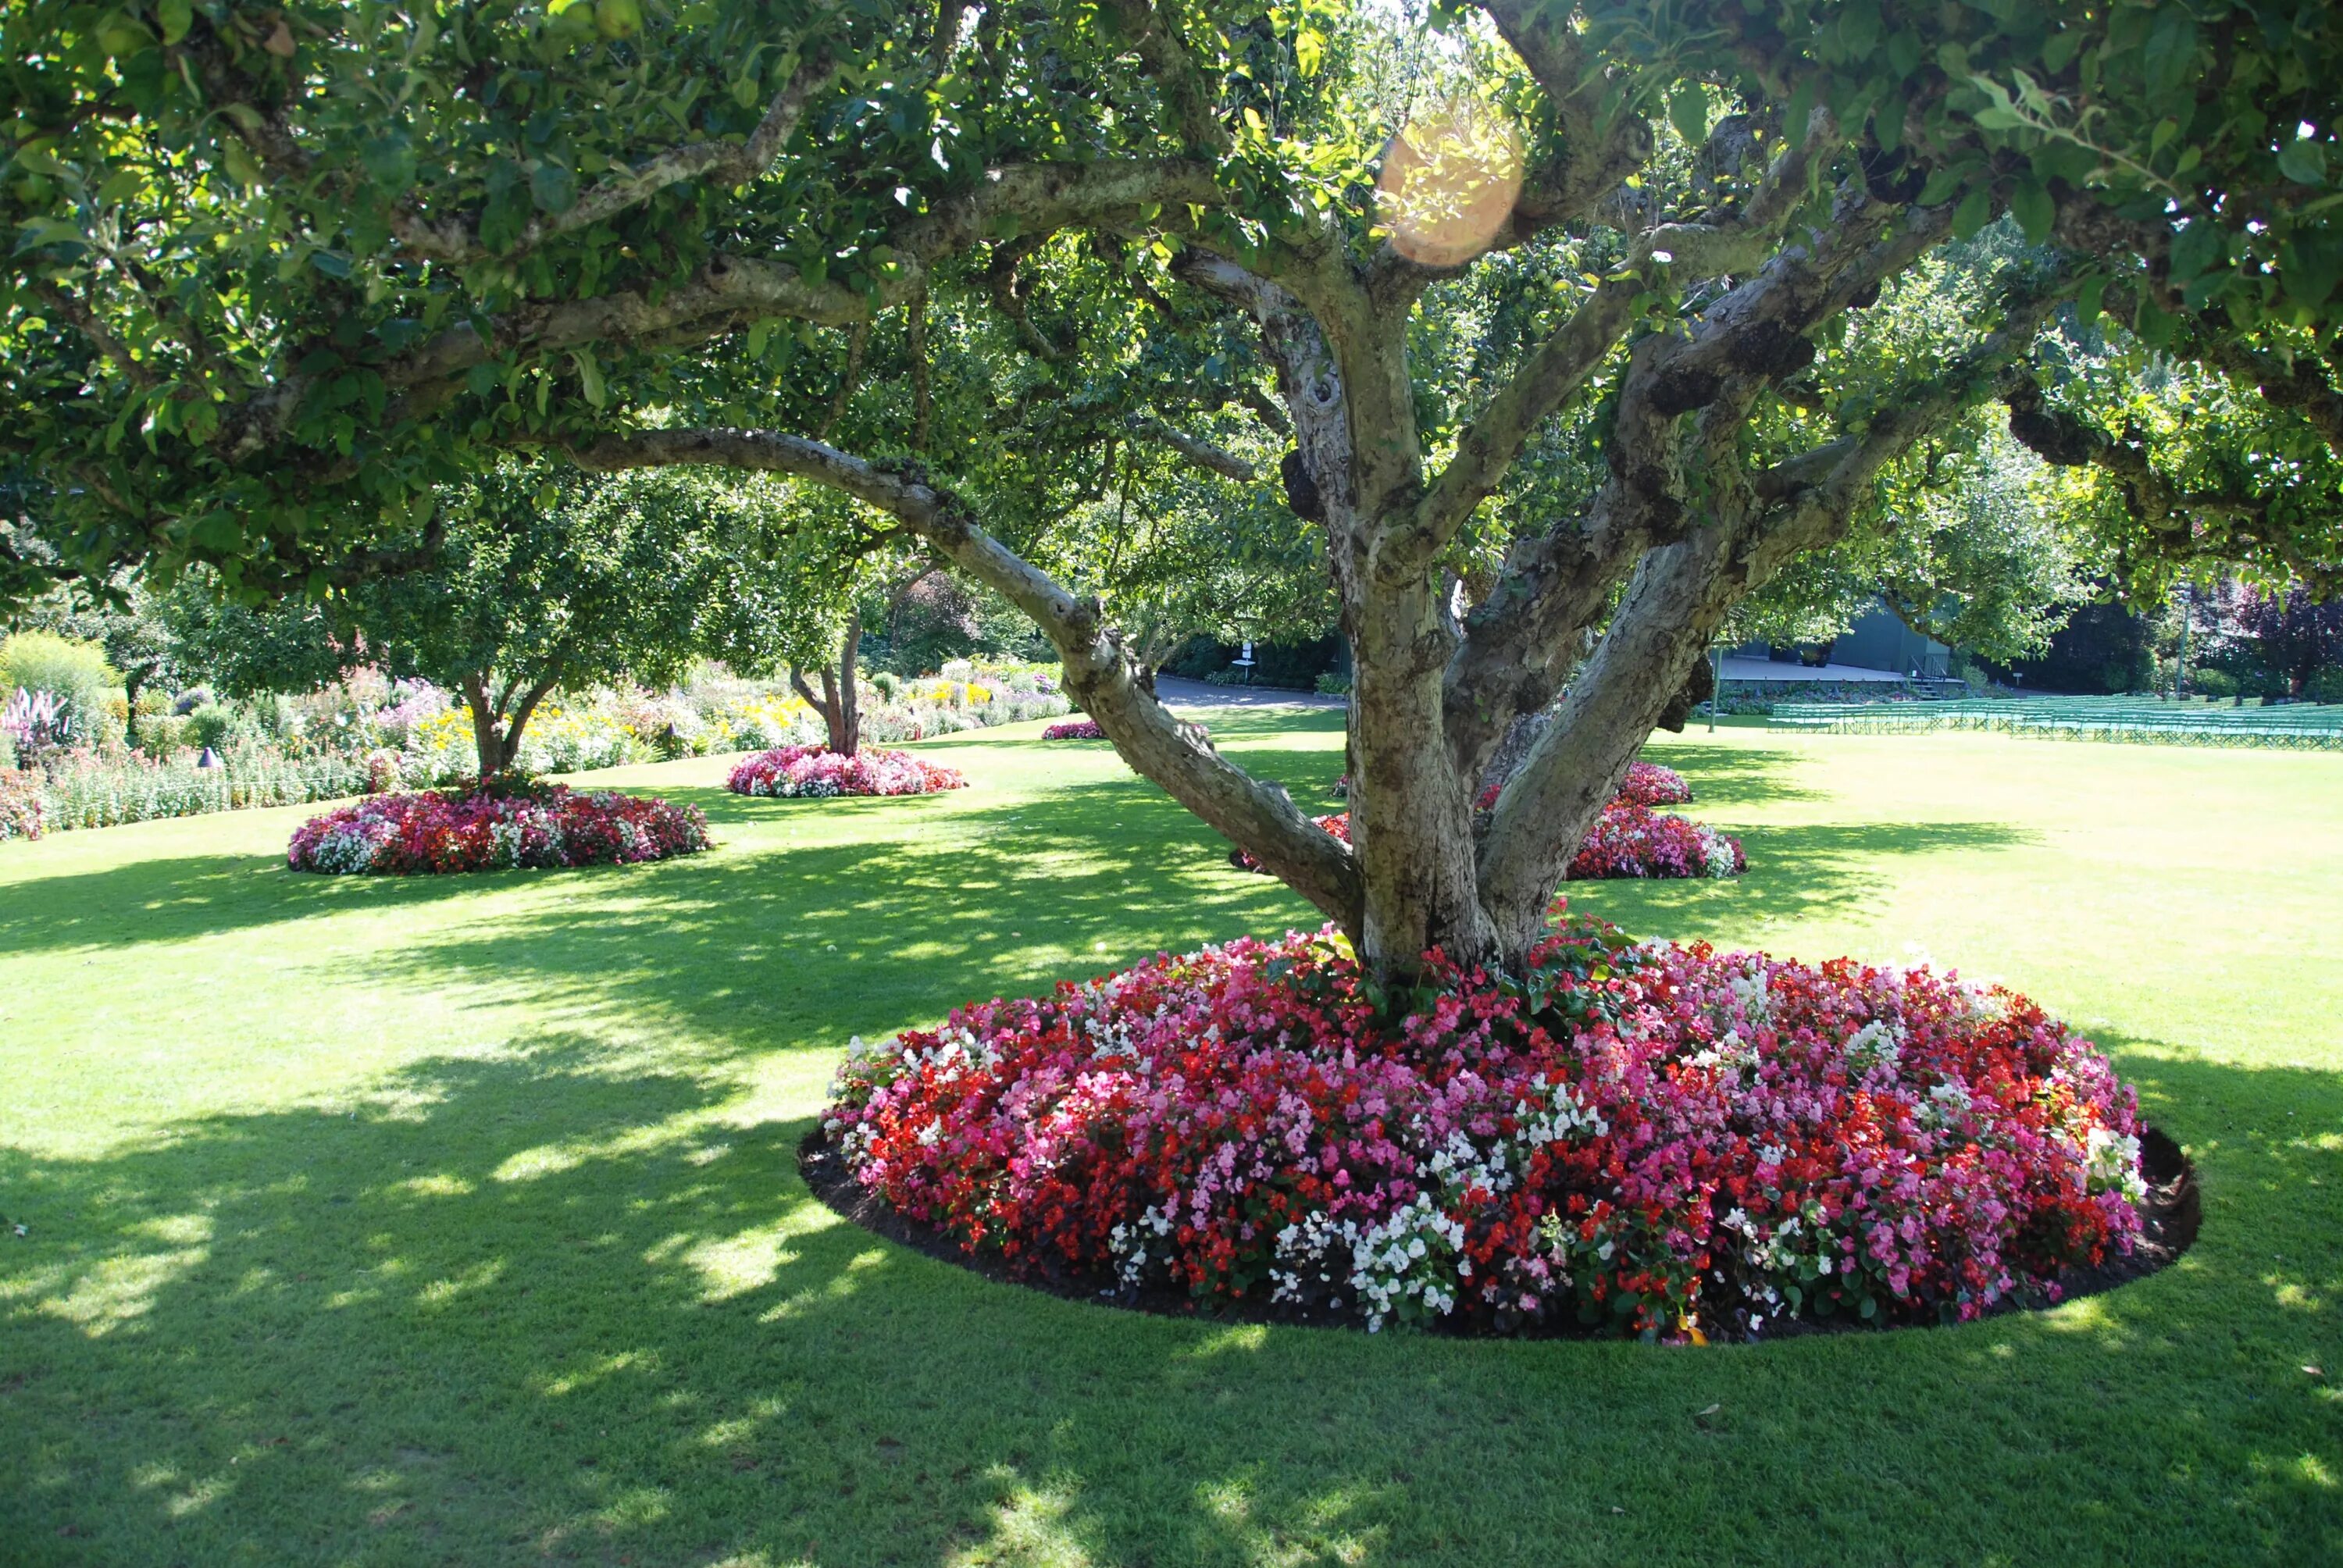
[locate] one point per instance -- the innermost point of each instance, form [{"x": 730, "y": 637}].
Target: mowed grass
[{"x": 456, "y": 1221}]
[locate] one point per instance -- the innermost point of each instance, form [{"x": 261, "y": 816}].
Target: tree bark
[
  {"x": 488, "y": 745},
  {"x": 839, "y": 702}
]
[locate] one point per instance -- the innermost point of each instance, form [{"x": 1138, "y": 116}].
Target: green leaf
[
  {"x": 2304, "y": 162},
  {"x": 176, "y": 17},
  {"x": 389, "y": 160},
  {"x": 1973, "y": 213},
  {"x": 2060, "y": 49},
  {"x": 552, "y": 187},
  {"x": 2034, "y": 211},
  {"x": 590, "y": 373},
  {"x": 241, "y": 167},
  {"x": 1308, "y": 50},
  {"x": 1688, "y": 112},
  {"x": 1942, "y": 184},
  {"x": 1904, "y": 53},
  {"x": 1802, "y": 106},
  {"x": 2308, "y": 268},
  {"x": 332, "y": 264},
  {"x": 2170, "y": 49},
  {"x": 760, "y": 332},
  {"x": 2087, "y": 300},
  {"x": 44, "y": 231},
  {"x": 2195, "y": 248},
  {"x": 217, "y": 531}
]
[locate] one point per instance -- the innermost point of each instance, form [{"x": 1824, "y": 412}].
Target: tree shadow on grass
[
  {"x": 1732, "y": 775},
  {"x": 1793, "y": 870},
  {"x": 548, "y": 1305}
]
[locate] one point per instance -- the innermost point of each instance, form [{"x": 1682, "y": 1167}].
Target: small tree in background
[{"x": 531, "y": 581}]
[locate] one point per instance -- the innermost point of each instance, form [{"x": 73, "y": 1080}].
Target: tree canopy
[
  {"x": 531, "y": 580},
  {"x": 1572, "y": 327}
]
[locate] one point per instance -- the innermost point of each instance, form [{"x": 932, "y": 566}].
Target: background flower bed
[
  {"x": 1633, "y": 841},
  {"x": 368, "y": 735},
  {"x": 540, "y": 825},
  {"x": 1075, "y": 729},
  {"x": 1629, "y": 840},
  {"x": 811, "y": 772},
  {"x": 1653, "y": 1139}
]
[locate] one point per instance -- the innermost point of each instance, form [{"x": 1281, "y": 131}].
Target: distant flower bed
[
  {"x": 809, "y": 771},
  {"x": 1630, "y": 1139},
  {"x": 1646, "y": 784},
  {"x": 1633, "y": 841},
  {"x": 1649, "y": 784},
  {"x": 1074, "y": 729},
  {"x": 1629, "y": 840},
  {"x": 467, "y": 829},
  {"x": 1339, "y": 824}
]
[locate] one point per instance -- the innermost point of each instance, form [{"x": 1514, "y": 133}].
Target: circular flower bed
[
  {"x": 1649, "y": 784},
  {"x": 791, "y": 772},
  {"x": 1634, "y": 1139},
  {"x": 471, "y": 829},
  {"x": 1631, "y": 840},
  {"x": 1074, "y": 729}
]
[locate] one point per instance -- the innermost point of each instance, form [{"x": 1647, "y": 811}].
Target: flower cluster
[
  {"x": 1649, "y": 784},
  {"x": 1646, "y": 784},
  {"x": 1339, "y": 825},
  {"x": 36, "y": 720},
  {"x": 1074, "y": 729},
  {"x": 1657, "y": 1140},
  {"x": 21, "y": 814},
  {"x": 473, "y": 829},
  {"x": 1631, "y": 840},
  {"x": 813, "y": 772}
]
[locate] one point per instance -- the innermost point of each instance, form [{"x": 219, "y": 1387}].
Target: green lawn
[{"x": 456, "y": 1221}]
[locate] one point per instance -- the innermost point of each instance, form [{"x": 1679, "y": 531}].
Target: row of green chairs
[{"x": 2296, "y": 726}]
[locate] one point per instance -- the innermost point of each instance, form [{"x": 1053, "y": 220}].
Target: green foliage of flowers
[{"x": 103, "y": 789}]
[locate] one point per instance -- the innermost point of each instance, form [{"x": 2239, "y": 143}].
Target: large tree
[{"x": 1576, "y": 325}]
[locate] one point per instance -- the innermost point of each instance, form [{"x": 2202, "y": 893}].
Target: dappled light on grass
[{"x": 670, "y": 1029}]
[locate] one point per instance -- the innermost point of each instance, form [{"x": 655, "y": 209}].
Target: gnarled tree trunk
[
  {"x": 839, "y": 701},
  {"x": 499, "y": 720}
]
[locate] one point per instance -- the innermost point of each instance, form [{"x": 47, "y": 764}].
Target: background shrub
[
  {"x": 217, "y": 725},
  {"x": 75, "y": 671},
  {"x": 2212, "y": 683},
  {"x": 2327, "y": 686}
]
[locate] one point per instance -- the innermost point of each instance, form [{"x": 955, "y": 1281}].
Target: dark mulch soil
[{"x": 2170, "y": 1219}]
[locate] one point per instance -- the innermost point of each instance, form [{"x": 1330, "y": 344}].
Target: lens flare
[{"x": 1449, "y": 183}]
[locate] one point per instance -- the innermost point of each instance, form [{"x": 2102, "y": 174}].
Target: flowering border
[{"x": 1075, "y": 729}]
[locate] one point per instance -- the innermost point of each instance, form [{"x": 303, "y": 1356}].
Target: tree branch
[
  {"x": 1258, "y": 816},
  {"x": 1177, "y": 74},
  {"x": 1201, "y": 453}
]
